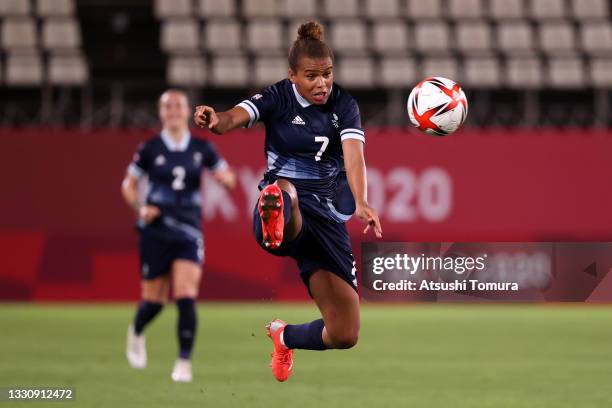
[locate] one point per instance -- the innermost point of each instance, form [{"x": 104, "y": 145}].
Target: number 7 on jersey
[{"x": 325, "y": 141}]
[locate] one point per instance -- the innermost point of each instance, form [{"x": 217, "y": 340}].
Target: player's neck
[{"x": 176, "y": 135}]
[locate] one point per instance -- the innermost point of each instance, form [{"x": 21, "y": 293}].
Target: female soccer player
[
  {"x": 171, "y": 240},
  {"x": 315, "y": 181}
]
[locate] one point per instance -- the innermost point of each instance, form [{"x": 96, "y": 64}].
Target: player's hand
[
  {"x": 369, "y": 215},
  {"x": 148, "y": 213},
  {"x": 205, "y": 116}
]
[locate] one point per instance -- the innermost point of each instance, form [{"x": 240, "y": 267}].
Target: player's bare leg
[
  {"x": 154, "y": 293},
  {"x": 155, "y": 290},
  {"x": 339, "y": 306},
  {"x": 339, "y": 328},
  {"x": 281, "y": 220},
  {"x": 186, "y": 277}
]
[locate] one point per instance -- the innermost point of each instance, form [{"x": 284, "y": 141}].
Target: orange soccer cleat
[
  {"x": 282, "y": 356},
  {"x": 272, "y": 218}
]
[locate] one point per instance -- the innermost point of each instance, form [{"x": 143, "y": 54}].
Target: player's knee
[
  {"x": 345, "y": 340},
  {"x": 162, "y": 300},
  {"x": 289, "y": 188},
  {"x": 186, "y": 279},
  {"x": 154, "y": 294},
  {"x": 186, "y": 291}
]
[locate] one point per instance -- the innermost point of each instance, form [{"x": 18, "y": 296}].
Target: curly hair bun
[{"x": 310, "y": 30}]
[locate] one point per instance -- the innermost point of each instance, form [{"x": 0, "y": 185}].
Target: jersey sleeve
[
  {"x": 350, "y": 122},
  {"x": 262, "y": 105},
  {"x": 213, "y": 161},
  {"x": 141, "y": 161}
]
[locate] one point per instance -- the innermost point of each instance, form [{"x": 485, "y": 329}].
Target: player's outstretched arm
[
  {"x": 220, "y": 122},
  {"x": 354, "y": 163}
]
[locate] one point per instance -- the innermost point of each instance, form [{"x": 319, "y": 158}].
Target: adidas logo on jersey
[{"x": 298, "y": 121}]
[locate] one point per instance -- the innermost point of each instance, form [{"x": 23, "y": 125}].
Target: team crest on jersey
[
  {"x": 160, "y": 160},
  {"x": 197, "y": 158},
  {"x": 257, "y": 96},
  {"x": 335, "y": 120},
  {"x": 298, "y": 120}
]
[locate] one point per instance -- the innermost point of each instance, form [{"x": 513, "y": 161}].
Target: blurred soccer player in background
[
  {"x": 315, "y": 181},
  {"x": 169, "y": 225}
]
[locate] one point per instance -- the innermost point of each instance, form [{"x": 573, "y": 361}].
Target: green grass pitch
[{"x": 408, "y": 356}]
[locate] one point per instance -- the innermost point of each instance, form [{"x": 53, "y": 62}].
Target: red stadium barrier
[{"x": 66, "y": 234}]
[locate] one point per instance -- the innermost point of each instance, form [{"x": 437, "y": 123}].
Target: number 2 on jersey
[
  {"x": 325, "y": 141},
  {"x": 179, "y": 178}
]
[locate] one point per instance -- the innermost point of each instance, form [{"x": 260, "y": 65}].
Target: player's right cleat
[
  {"x": 282, "y": 356},
  {"x": 270, "y": 209},
  {"x": 136, "y": 351}
]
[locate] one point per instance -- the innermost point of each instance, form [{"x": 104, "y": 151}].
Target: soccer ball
[{"x": 437, "y": 106}]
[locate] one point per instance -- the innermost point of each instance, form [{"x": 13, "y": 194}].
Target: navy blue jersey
[
  {"x": 304, "y": 141},
  {"x": 174, "y": 173}
]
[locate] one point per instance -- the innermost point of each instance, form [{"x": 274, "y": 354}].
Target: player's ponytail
[{"x": 309, "y": 44}]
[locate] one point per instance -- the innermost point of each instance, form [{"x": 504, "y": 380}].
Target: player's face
[
  {"x": 174, "y": 111},
  {"x": 313, "y": 79}
]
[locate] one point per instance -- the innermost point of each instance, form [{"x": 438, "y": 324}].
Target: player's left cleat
[
  {"x": 136, "y": 351},
  {"x": 282, "y": 356},
  {"x": 182, "y": 371},
  {"x": 272, "y": 219}
]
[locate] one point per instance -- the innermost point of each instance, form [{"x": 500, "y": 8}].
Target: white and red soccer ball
[{"x": 437, "y": 106}]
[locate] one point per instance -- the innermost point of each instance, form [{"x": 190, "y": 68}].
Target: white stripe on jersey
[
  {"x": 271, "y": 159},
  {"x": 182, "y": 226},
  {"x": 352, "y": 133},
  {"x": 220, "y": 165},
  {"x": 335, "y": 212},
  {"x": 135, "y": 171},
  {"x": 361, "y": 132},
  {"x": 251, "y": 110}
]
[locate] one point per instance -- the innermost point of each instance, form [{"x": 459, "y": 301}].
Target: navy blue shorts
[
  {"x": 321, "y": 244},
  {"x": 158, "y": 254}
]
